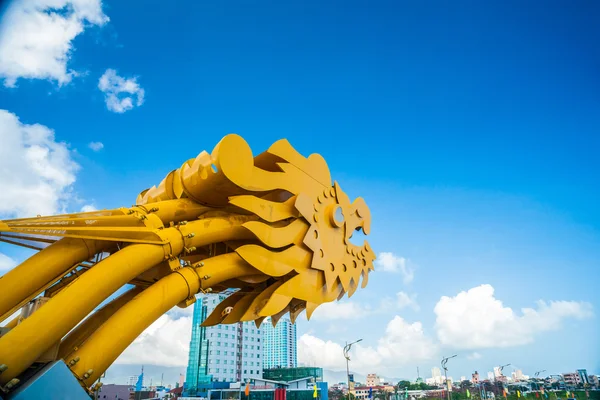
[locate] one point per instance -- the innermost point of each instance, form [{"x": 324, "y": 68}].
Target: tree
[
  {"x": 466, "y": 384},
  {"x": 403, "y": 385}
]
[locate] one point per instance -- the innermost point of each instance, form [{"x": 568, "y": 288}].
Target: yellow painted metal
[
  {"x": 273, "y": 226},
  {"x": 108, "y": 341},
  {"x": 27, "y": 280},
  {"x": 80, "y": 333}
]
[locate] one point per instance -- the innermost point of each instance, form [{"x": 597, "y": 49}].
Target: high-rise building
[
  {"x": 280, "y": 347},
  {"x": 475, "y": 378},
  {"x": 221, "y": 353}
]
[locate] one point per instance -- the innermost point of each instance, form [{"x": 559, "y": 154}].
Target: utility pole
[
  {"x": 444, "y": 362},
  {"x": 347, "y": 356}
]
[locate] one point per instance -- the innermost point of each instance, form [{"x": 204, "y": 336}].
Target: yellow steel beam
[
  {"x": 27, "y": 279},
  {"x": 78, "y": 335}
]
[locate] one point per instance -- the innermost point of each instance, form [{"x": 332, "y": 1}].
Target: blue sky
[{"x": 471, "y": 130}]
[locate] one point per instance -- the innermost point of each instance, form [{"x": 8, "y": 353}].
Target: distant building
[
  {"x": 475, "y": 378},
  {"x": 594, "y": 381},
  {"x": 114, "y": 392},
  {"x": 497, "y": 372},
  {"x": 490, "y": 375},
  {"x": 279, "y": 344},
  {"x": 583, "y": 376},
  {"x": 518, "y": 375},
  {"x": 373, "y": 380},
  {"x": 571, "y": 378},
  {"x": 221, "y": 353}
]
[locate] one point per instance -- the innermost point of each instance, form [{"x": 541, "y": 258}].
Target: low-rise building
[{"x": 373, "y": 380}]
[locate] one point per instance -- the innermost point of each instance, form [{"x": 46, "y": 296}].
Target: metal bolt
[
  {"x": 13, "y": 382},
  {"x": 183, "y": 223},
  {"x": 208, "y": 290},
  {"x": 74, "y": 361},
  {"x": 154, "y": 209},
  {"x": 205, "y": 277},
  {"x": 3, "y": 367},
  {"x": 191, "y": 235}
]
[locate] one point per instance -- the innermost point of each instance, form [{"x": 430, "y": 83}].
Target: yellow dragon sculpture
[{"x": 273, "y": 227}]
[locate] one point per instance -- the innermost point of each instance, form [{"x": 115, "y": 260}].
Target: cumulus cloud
[
  {"x": 476, "y": 319},
  {"x": 340, "y": 310},
  {"x": 88, "y": 208},
  {"x": 389, "y": 262},
  {"x": 6, "y": 263},
  {"x": 345, "y": 309},
  {"x": 402, "y": 343},
  {"x": 404, "y": 300},
  {"x": 474, "y": 356},
  {"x": 36, "y": 37},
  {"x": 165, "y": 342},
  {"x": 36, "y": 171},
  {"x": 96, "y": 146},
  {"x": 119, "y": 92}
]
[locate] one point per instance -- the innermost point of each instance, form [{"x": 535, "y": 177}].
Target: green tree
[{"x": 403, "y": 385}]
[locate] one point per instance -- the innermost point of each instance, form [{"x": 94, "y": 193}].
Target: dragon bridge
[{"x": 272, "y": 227}]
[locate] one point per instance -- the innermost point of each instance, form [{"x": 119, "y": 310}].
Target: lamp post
[
  {"x": 536, "y": 379},
  {"x": 444, "y": 362},
  {"x": 347, "y": 356}
]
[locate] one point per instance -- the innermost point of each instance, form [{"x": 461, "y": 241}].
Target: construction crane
[{"x": 273, "y": 230}]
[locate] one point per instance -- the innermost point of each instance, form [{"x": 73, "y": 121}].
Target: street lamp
[
  {"x": 347, "y": 356},
  {"x": 444, "y": 362},
  {"x": 536, "y": 379}
]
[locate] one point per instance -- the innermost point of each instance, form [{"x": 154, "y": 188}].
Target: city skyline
[{"x": 474, "y": 146}]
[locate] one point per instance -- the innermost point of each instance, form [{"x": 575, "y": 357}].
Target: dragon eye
[{"x": 338, "y": 215}]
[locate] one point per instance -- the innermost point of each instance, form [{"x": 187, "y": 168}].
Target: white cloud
[
  {"x": 474, "y": 356},
  {"x": 476, "y": 319},
  {"x": 404, "y": 300},
  {"x": 401, "y": 344},
  {"x": 117, "y": 90},
  {"x": 6, "y": 263},
  {"x": 36, "y": 171},
  {"x": 340, "y": 310},
  {"x": 96, "y": 146},
  {"x": 165, "y": 342},
  {"x": 345, "y": 309},
  {"x": 88, "y": 208},
  {"x": 389, "y": 262},
  {"x": 36, "y": 37}
]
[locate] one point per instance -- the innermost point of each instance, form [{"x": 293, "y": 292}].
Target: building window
[
  {"x": 224, "y": 353},
  {"x": 226, "y": 336},
  {"x": 251, "y": 371},
  {"x": 245, "y": 363},
  {"x": 218, "y": 352},
  {"x": 244, "y": 371},
  {"x": 218, "y": 361},
  {"x": 245, "y": 346},
  {"x": 217, "y": 370},
  {"x": 218, "y": 343},
  {"x": 218, "y": 334}
]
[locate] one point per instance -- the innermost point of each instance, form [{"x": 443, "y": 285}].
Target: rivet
[{"x": 191, "y": 235}]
